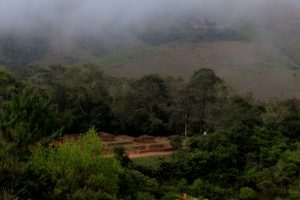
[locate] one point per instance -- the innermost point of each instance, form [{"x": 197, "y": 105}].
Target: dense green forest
[{"x": 251, "y": 150}]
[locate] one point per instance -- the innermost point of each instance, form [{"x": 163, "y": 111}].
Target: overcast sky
[{"x": 95, "y": 15}]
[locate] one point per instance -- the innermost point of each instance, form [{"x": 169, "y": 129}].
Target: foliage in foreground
[
  {"x": 76, "y": 169},
  {"x": 251, "y": 150}
]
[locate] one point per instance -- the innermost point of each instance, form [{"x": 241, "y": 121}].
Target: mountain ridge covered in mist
[{"x": 255, "y": 46}]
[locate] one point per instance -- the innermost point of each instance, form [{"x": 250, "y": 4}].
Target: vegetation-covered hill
[{"x": 260, "y": 59}]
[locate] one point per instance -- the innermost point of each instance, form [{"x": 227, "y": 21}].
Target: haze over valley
[{"x": 253, "y": 45}]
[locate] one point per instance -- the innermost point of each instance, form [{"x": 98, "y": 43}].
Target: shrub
[
  {"x": 247, "y": 193},
  {"x": 78, "y": 168}
]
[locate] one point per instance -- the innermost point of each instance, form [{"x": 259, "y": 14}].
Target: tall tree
[
  {"x": 150, "y": 93},
  {"x": 146, "y": 102},
  {"x": 284, "y": 116},
  {"x": 25, "y": 120},
  {"x": 79, "y": 96},
  {"x": 206, "y": 90},
  {"x": 180, "y": 105}
]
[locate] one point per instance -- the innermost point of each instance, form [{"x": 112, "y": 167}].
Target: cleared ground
[{"x": 136, "y": 147}]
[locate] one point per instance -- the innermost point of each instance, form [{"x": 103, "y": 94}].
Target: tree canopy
[{"x": 250, "y": 149}]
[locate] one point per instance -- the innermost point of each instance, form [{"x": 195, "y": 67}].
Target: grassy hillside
[
  {"x": 247, "y": 66},
  {"x": 260, "y": 62}
]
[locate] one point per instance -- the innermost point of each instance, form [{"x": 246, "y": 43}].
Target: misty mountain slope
[
  {"x": 247, "y": 67},
  {"x": 265, "y": 67},
  {"x": 253, "y": 45}
]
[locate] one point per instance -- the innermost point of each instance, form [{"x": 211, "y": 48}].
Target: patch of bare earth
[{"x": 143, "y": 146}]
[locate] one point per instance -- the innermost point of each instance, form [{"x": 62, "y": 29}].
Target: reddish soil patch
[
  {"x": 127, "y": 138},
  {"x": 142, "y": 146},
  {"x": 145, "y": 139},
  {"x": 106, "y": 137}
]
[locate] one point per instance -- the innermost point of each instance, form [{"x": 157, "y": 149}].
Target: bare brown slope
[{"x": 248, "y": 67}]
